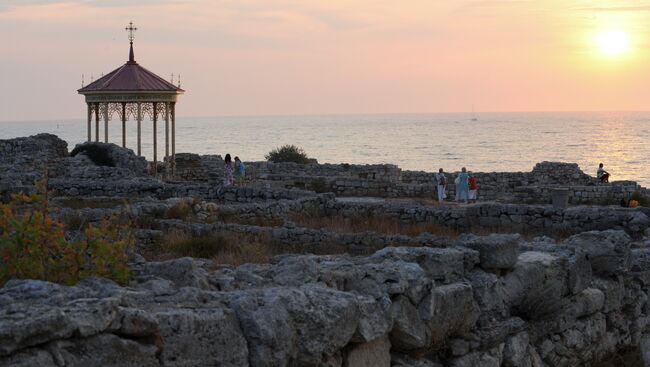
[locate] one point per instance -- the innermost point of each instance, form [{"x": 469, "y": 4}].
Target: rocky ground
[{"x": 554, "y": 287}]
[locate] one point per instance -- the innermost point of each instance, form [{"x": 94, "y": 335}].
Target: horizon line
[{"x": 353, "y": 114}]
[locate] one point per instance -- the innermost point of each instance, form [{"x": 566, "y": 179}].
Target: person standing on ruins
[
  {"x": 473, "y": 187},
  {"x": 463, "y": 185},
  {"x": 227, "y": 171},
  {"x": 240, "y": 172},
  {"x": 442, "y": 185}
]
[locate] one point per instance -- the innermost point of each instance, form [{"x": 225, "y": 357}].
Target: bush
[
  {"x": 288, "y": 153},
  {"x": 320, "y": 185},
  {"x": 98, "y": 154},
  {"x": 33, "y": 245}
]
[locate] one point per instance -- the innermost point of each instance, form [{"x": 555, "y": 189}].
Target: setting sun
[{"x": 613, "y": 42}]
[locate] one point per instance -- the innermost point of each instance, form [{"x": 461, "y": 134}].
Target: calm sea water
[{"x": 496, "y": 142}]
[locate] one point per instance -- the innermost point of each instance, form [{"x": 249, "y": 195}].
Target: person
[
  {"x": 473, "y": 187},
  {"x": 227, "y": 171},
  {"x": 442, "y": 185},
  {"x": 240, "y": 171},
  {"x": 602, "y": 174},
  {"x": 463, "y": 185}
]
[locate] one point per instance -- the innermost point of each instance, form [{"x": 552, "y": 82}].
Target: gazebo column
[
  {"x": 90, "y": 122},
  {"x": 123, "y": 124},
  {"x": 96, "y": 122},
  {"x": 139, "y": 118},
  {"x": 106, "y": 122},
  {"x": 155, "y": 139},
  {"x": 166, "y": 130},
  {"x": 173, "y": 111}
]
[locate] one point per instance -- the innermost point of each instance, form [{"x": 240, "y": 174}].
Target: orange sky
[{"x": 256, "y": 57}]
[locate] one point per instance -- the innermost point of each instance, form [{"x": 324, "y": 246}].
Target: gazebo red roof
[{"x": 130, "y": 77}]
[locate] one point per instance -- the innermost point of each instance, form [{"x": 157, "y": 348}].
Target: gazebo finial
[{"x": 131, "y": 29}]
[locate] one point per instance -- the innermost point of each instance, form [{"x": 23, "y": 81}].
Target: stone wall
[
  {"x": 41, "y": 147},
  {"x": 390, "y": 181},
  {"x": 482, "y": 217},
  {"x": 487, "y": 301}
]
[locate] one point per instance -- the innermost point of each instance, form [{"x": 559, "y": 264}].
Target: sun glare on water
[{"x": 613, "y": 42}]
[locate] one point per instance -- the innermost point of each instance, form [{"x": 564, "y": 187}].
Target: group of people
[
  {"x": 467, "y": 188},
  {"x": 233, "y": 174},
  {"x": 465, "y": 182}
]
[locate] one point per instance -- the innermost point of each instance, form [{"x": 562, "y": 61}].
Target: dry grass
[
  {"x": 381, "y": 225},
  {"x": 222, "y": 248},
  {"x": 232, "y": 248},
  {"x": 181, "y": 210},
  {"x": 79, "y": 202}
]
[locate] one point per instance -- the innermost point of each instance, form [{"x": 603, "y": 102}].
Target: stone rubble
[{"x": 575, "y": 295}]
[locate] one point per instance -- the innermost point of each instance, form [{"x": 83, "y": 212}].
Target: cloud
[
  {"x": 12, "y": 4},
  {"x": 618, "y": 8}
]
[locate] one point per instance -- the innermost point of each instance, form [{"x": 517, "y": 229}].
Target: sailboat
[{"x": 473, "y": 114}]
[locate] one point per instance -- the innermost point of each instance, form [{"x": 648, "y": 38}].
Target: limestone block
[
  {"x": 515, "y": 352},
  {"x": 588, "y": 302},
  {"x": 609, "y": 251},
  {"x": 644, "y": 346},
  {"x": 449, "y": 310},
  {"x": 409, "y": 332},
  {"x": 497, "y": 251},
  {"x": 201, "y": 337},
  {"x": 438, "y": 263},
  {"x": 375, "y": 353}
]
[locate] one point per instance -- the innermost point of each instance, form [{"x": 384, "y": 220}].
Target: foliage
[
  {"x": 33, "y": 245},
  {"x": 288, "y": 153},
  {"x": 98, "y": 154},
  {"x": 320, "y": 185}
]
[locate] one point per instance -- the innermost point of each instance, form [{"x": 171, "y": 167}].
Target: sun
[{"x": 613, "y": 42}]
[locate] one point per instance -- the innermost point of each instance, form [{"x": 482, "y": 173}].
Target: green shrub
[
  {"x": 33, "y": 245},
  {"x": 98, "y": 154},
  {"x": 320, "y": 185},
  {"x": 288, "y": 153}
]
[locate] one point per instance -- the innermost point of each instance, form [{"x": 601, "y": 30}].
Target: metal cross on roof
[{"x": 131, "y": 29}]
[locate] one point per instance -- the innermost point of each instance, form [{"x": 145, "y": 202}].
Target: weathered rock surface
[{"x": 413, "y": 306}]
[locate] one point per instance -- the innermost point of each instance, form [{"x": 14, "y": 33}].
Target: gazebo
[{"x": 134, "y": 91}]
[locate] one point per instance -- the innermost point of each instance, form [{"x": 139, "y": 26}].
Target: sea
[{"x": 513, "y": 141}]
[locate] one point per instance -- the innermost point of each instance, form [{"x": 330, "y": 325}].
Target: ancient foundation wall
[{"x": 488, "y": 301}]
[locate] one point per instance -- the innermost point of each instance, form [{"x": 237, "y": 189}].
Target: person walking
[
  {"x": 442, "y": 185},
  {"x": 473, "y": 187},
  {"x": 240, "y": 171},
  {"x": 463, "y": 185},
  {"x": 227, "y": 171}
]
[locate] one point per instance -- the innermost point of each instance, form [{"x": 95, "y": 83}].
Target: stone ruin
[{"x": 514, "y": 281}]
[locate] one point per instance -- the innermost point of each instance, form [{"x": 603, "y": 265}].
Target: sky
[{"x": 277, "y": 57}]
